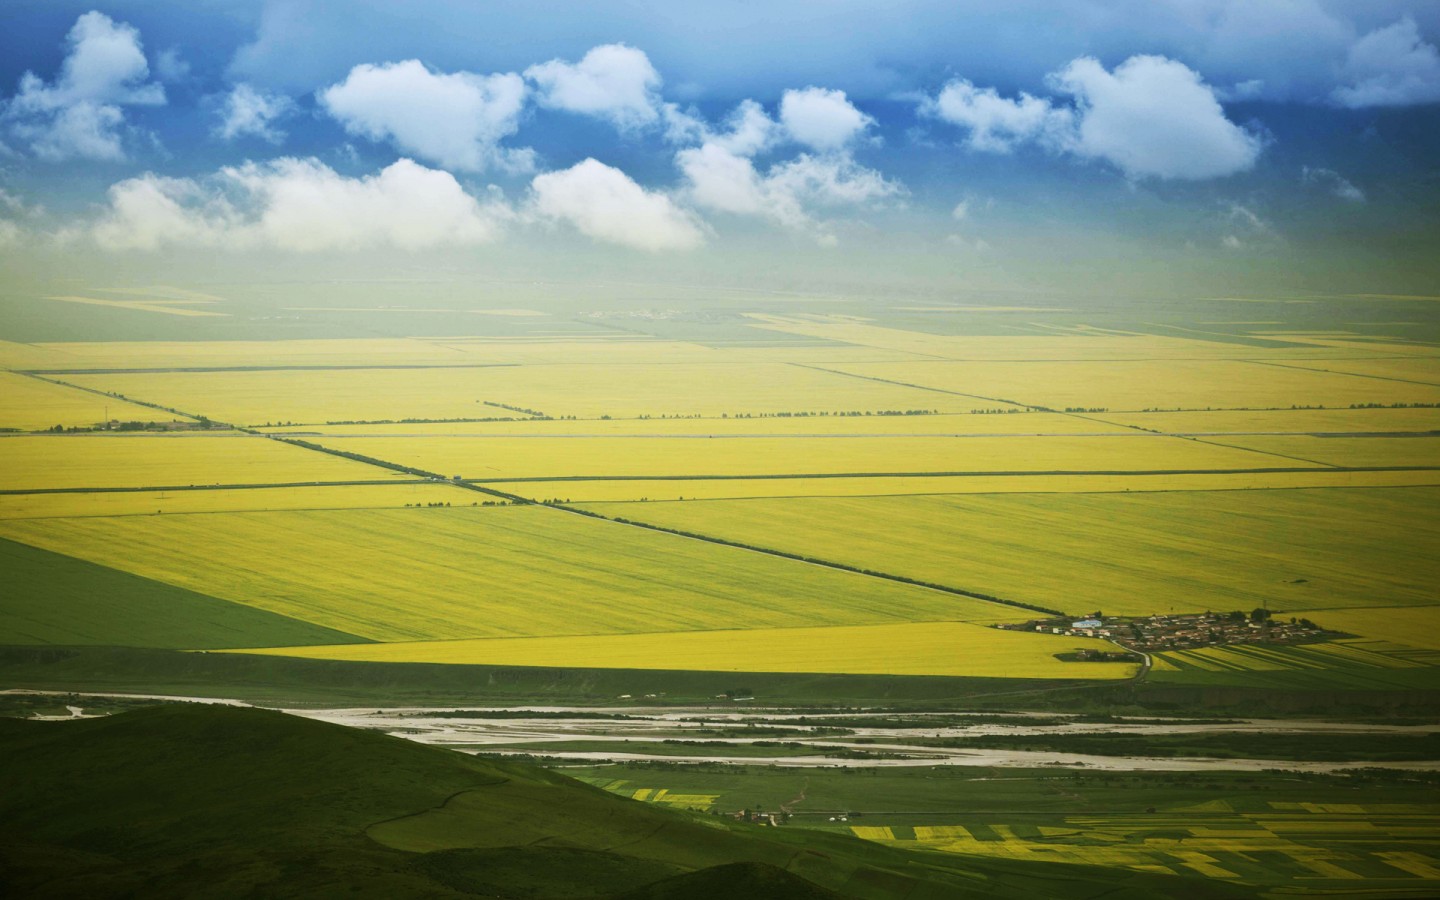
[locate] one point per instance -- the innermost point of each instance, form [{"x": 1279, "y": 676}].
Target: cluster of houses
[{"x": 1182, "y": 632}]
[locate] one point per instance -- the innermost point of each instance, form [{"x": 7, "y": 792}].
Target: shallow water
[{"x": 478, "y": 734}]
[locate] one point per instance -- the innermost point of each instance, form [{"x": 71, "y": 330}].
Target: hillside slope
[{"x": 225, "y": 802}]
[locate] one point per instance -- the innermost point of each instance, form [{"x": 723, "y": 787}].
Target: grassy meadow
[{"x": 183, "y": 792}]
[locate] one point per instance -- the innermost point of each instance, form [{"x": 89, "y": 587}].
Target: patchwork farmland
[{"x": 845, "y": 497}]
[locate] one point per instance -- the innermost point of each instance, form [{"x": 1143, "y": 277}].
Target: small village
[{"x": 1146, "y": 634}]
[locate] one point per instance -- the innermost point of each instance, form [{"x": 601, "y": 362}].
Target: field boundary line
[
  {"x": 526, "y": 501},
  {"x": 1215, "y": 443},
  {"x": 1353, "y": 374},
  {"x": 100, "y": 393},
  {"x": 479, "y": 487},
  {"x": 208, "y": 487},
  {"x": 1090, "y": 417},
  {"x": 810, "y": 476},
  {"x": 181, "y": 370},
  {"x": 814, "y": 561}
]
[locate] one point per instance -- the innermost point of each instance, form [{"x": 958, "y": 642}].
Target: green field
[
  {"x": 1302, "y": 834},
  {"x": 55, "y": 599},
  {"x": 1362, "y": 749},
  {"x": 284, "y": 681}
]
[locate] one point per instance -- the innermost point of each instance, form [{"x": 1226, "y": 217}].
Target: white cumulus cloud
[
  {"x": 150, "y": 212},
  {"x": 821, "y": 119},
  {"x": 604, "y": 203},
  {"x": 996, "y": 124},
  {"x": 831, "y": 181},
  {"x": 725, "y": 181},
  {"x": 722, "y": 175},
  {"x": 455, "y": 120},
  {"x": 749, "y": 130},
  {"x": 80, "y": 113},
  {"x": 614, "y": 82},
  {"x": 1391, "y": 66},
  {"x": 1155, "y": 117},
  {"x": 1151, "y": 117},
  {"x": 298, "y": 205},
  {"x": 247, "y": 110},
  {"x": 789, "y": 193}
]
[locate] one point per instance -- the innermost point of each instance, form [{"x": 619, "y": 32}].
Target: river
[{"x": 510, "y": 731}]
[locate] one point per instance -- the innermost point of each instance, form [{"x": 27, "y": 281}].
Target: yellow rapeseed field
[
  {"x": 588, "y": 391},
  {"x": 535, "y": 586},
  {"x": 1120, "y": 553},
  {"x": 1345, "y": 451},
  {"x": 1303, "y": 842},
  {"x": 183, "y": 354},
  {"x": 1422, "y": 369},
  {"x": 163, "y": 306},
  {"x": 1132, "y": 385},
  {"x": 149, "y": 503},
  {"x": 515, "y": 457},
  {"x": 432, "y": 574},
  {"x": 749, "y": 488},
  {"x": 930, "y": 648},
  {"x": 145, "y": 460},
  {"x": 1354, "y": 655},
  {"x": 409, "y": 351},
  {"x": 29, "y": 404},
  {"x": 15, "y": 355},
  {"x": 1021, "y": 423},
  {"x": 1084, "y": 344},
  {"x": 1293, "y": 421},
  {"x": 1414, "y": 626},
  {"x": 352, "y": 352}
]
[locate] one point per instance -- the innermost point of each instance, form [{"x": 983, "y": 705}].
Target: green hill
[
  {"x": 222, "y": 802},
  {"x": 734, "y": 880}
]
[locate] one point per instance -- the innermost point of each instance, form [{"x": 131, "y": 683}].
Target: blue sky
[{"x": 1175, "y": 146}]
